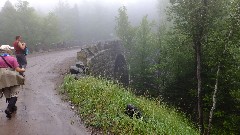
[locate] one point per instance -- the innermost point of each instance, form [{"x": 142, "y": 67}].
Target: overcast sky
[{"x": 136, "y": 8}]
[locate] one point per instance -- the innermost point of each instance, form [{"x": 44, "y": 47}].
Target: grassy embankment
[{"x": 102, "y": 104}]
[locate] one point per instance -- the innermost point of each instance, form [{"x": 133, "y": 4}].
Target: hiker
[
  {"x": 20, "y": 47},
  {"x": 10, "y": 80}
]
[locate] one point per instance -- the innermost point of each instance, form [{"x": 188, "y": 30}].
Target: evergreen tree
[{"x": 8, "y": 23}]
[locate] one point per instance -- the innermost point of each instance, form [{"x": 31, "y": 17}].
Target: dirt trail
[{"x": 40, "y": 109}]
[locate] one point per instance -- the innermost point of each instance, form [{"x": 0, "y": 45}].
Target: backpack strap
[{"x": 6, "y": 62}]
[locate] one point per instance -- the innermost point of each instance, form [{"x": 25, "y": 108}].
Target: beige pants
[{"x": 10, "y": 91}]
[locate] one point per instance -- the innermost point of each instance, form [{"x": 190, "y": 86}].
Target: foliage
[
  {"x": 138, "y": 43},
  {"x": 221, "y": 33},
  {"x": 25, "y": 21},
  {"x": 64, "y": 24},
  {"x": 50, "y": 30},
  {"x": 124, "y": 30},
  {"x": 141, "y": 56},
  {"x": 102, "y": 104},
  {"x": 162, "y": 61},
  {"x": 7, "y": 23},
  {"x": 66, "y": 17}
]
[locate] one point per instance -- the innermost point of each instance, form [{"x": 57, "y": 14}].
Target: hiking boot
[
  {"x": 11, "y": 107},
  {"x": 14, "y": 109},
  {"x": 8, "y": 113}
]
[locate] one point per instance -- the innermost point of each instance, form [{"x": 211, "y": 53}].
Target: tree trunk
[
  {"x": 216, "y": 86},
  {"x": 214, "y": 100},
  {"x": 199, "y": 87},
  {"x": 198, "y": 51}
]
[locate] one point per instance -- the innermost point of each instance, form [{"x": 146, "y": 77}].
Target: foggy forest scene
[{"x": 182, "y": 61}]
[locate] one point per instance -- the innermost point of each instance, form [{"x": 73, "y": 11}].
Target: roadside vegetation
[{"x": 101, "y": 104}]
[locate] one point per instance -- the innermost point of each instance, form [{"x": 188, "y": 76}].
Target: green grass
[{"x": 102, "y": 103}]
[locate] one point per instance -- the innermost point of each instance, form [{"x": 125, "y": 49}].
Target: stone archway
[{"x": 121, "y": 70}]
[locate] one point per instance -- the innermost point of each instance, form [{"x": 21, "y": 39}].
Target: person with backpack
[
  {"x": 10, "y": 80},
  {"x": 20, "y": 51}
]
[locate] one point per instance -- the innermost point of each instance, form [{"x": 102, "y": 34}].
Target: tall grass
[{"x": 102, "y": 104}]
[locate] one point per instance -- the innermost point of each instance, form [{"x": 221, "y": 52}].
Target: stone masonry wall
[{"x": 100, "y": 59}]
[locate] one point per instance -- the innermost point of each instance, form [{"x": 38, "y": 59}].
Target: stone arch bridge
[{"x": 106, "y": 60}]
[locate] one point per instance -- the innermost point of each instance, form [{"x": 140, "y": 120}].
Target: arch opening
[{"x": 121, "y": 70}]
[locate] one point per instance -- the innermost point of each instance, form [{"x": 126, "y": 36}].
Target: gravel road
[{"x": 40, "y": 108}]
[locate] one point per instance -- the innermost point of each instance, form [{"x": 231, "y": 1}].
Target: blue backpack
[{"x": 26, "y": 51}]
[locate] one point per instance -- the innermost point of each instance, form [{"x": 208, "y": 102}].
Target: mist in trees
[
  {"x": 187, "y": 53},
  {"x": 23, "y": 20},
  {"x": 47, "y": 26},
  {"x": 191, "y": 60}
]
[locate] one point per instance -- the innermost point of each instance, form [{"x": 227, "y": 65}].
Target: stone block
[
  {"x": 93, "y": 49},
  {"x": 75, "y": 70},
  {"x": 80, "y": 65},
  {"x": 82, "y": 56}
]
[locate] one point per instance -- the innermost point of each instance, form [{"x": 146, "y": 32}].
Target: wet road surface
[{"x": 40, "y": 108}]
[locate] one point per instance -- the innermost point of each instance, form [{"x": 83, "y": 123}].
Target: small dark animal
[{"x": 133, "y": 111}]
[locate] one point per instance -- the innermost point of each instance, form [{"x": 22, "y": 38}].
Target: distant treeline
[{"x": 62, "y": 25}]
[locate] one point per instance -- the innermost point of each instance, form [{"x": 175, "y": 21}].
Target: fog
[
  {"x": 136, "y": 8},
  {"x": 93, "y": 19}
]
